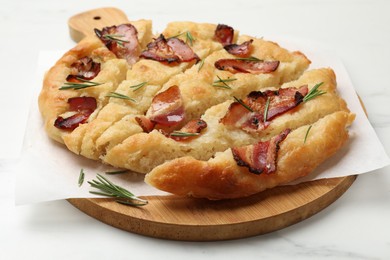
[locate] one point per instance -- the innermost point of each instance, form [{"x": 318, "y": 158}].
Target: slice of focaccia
[
  {"x": 222, "y": 178},
  {"x": 143, "y": 151},
  {"x": 91, "y": 69},
  {"x": 145, "y": 78}
]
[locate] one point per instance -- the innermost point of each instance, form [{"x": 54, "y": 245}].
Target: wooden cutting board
[{"x": 181, "y": 218}]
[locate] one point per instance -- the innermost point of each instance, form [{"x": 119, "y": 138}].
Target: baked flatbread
[{"x": 200, "y": 109}]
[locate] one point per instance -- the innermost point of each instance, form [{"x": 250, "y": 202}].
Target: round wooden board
[{"x": 182, "y": 218}]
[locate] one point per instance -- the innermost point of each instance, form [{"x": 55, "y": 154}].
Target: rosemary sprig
[
  {"x": 79, "y": 85},
  {"x": 183, "y": 134},
  {"x": 189, "y": 37},
  {"x": 201, "y": 63},
  {"x": 314, "y": 92},
  {"x": 120, "y": 96},
  {"x": 116, "y": 37},
  {"x": 266, "y": 110},
  {"x": 138, "y": 86},
  {"x": 223, "y": 81},
  {"x": 81, "y": 177},
  {"x": 243, "y": 104},
  {"x": 251, "y": 58},
  {"x": 117, "y": 172},
  {"x": 307, "y": 133},
  {"x": 107, "y": 188}
]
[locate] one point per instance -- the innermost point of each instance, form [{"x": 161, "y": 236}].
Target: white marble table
[{"x": 354, "y": 227}]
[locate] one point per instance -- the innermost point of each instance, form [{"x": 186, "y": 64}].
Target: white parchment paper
[{"x": 48, "y": 171}]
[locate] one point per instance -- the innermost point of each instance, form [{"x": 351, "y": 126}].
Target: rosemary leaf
[
  {"x": 183, "y": 134},
  {"x": 307, "y": 133},
  {"x": 314, "y": 92},
  {"x": 120, "y": 96},
  {"x": 117, "y": 172},
  {"x": 116, "y": 37},
  {"x": 138, "y": 86},
  {"x": 81, "y": 177},
  {"x": 223, "y": 81},
  {"x": 201, "y": 63},
  {"x": 189, "y": 37},
  {"x": 79, "y": 85},
  {"x": 107, "y": 188},
  {"x": 243, "y": 104},
  {"x": 266, "y": 110},
  {"x": 251, "y": 58}
]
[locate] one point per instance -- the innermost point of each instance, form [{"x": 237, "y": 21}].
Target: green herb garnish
[
  {"x": 307, "y": 133},
  {"x": 116, "y": 38},
  {"x": 314, "y": 92},
  {"x": 117, "y": 172},
  {"x": 251, "y": 58},
  {"x": 183, "y": 134},
  {"x": 266, "y": 110},
  {"x": 138, "y": 86},
  {"x": 120, "y": 96},
  {"x": 107, "y": 188},
  {"x": 189, "y": 37},
  {"x": 81, "y": 177},
  {"x": 243, "y": 104},
  {"x": 79, "y": 85},
  {"x": 223, "y": 81},
  {"x": 201, "y": 63}
]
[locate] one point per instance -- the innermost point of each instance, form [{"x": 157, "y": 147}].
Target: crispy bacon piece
[
  {"x": 280, "y": 101},
  {"x": 84, "y": 106},
  {"x": 224, "y": 34},
  {"x": 84, "y": 68},
  {"x": 167, "y": 107},
  {"x": 260, "y": 157},
  {"x": 194, "y": 126},
  {"x": 71, "y": 122},
  {"x": 246, "y": 66},
  {"x": 122, "y": 40},
  {"x": 145, "y": 123},
  {"x": 241, "y": 50},
  {"x": 171, "y": 50}
]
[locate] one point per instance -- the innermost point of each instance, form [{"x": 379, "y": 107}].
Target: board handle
[{"x": 82, "y": 24}]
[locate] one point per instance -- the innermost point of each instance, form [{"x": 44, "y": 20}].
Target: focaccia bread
[{"x": 200, "y": 109}]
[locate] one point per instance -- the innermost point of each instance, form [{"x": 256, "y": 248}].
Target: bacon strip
[
  {"x": 246, "y": 66},
  {"x": 84, "y": 106},
  {"x": 241, "y": 50},
  {"x": 167, "y": 107},
  {"x": 84, "y": 68},
  {"x": 171, "y": 50},
  {"x": 145, "y": 123},
  {"x": 194, "y": 126},
  {"x": 260, "y": 157},
  {"x": 280, "y": 102},
  {"x": 224, "y": 34},
  {"x": 122, "y": 40}
]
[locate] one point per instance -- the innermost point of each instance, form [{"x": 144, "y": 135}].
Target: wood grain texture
[
  {"x": 82, "y": 24},
  {"x": 188, "y": 219},
  {"x": 183, "y": 218}
]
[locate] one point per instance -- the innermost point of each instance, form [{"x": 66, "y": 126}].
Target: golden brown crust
[{"x": 222, "y": 178}]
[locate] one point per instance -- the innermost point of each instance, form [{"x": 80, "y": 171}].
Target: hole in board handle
[{"x": 97, "y": 17}]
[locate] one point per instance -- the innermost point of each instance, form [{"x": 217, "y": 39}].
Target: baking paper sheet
[{"x": 48, "y": 171}]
